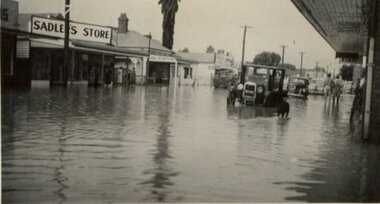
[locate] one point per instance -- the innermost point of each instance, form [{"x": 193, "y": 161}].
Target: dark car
[{"x": 298, "y": 86}]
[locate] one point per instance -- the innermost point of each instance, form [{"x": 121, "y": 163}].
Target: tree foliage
[
  {"x": 169, "y": 9},
  {"x": 185, "y": 50},
  {"x": 267, "y": 58},
  {"x": 210, "y": 49},
  {"x": 347, "y": 72},
  {"x": 289, "y": 66}
]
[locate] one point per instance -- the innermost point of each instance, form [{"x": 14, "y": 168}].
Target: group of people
[
  {"x": 333, "y": 88},
  {"x": 126, "y": 77}
]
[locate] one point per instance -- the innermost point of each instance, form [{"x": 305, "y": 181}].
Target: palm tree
[{"x": 168, "y": 9}]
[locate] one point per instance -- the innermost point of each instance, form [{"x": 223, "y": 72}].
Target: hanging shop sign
[{"x": 78, "y": 31}]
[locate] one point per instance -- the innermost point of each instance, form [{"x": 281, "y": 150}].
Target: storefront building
[
  {"x": 92, "y": 58},
  {"x": 352, "y": 28},
  {"x": 187, "y": 72},
  {"x": 9, "y": 19},
  {"x": 158, "y": 66}
]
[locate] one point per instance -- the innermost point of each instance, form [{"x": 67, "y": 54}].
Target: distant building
[
  {"x": 207, "y": 63},
  {"x": 187, "y": 73},
  {"x": 162, "y": 61}
]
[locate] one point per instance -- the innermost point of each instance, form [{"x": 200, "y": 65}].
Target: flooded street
[{"x": 157, "y": 144}]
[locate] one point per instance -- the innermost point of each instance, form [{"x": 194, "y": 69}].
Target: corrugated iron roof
[
  {"x": 343, "y": 23},
  {"x": 198, "y": 57},
  {"x": 134, "y": 40}
]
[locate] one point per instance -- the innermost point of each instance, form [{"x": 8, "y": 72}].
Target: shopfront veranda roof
[
  {"x": 342, "y": 23},
  {"x": 84, "y": 46}
]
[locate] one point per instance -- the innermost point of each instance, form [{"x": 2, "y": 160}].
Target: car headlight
[
  {"x": 260, "y": 89},
  {"x": 240, "y": 87}
]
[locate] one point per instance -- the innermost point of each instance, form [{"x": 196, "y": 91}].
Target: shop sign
[
  {"x": 156, "y": 58},
  {"x": 78, "y": 31},
  {"x": 9, "y": 14}
]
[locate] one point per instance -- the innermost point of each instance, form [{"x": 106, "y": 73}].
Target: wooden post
[
  {"x": 72, "y": 66},
  {"x": 102, "y": 71},
  {"x": 66, "y": 42}
]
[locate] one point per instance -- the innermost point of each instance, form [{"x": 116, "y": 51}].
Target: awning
[
  {"x": 21, "y": 33},
  {"x": 83, "y": 46},
  {"x": 342, "y": 23}
]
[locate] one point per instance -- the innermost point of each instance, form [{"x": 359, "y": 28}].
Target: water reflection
[
  {"x": 158, "y": 144},
  {"x": 249, "y": 112},
  {"x": 340, "y": 172},
  {"x": 162, "y": 172}
]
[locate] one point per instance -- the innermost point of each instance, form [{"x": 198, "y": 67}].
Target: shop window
[
  {"x": 186, "y": 72},
  {"x": 4, "y": 14}
]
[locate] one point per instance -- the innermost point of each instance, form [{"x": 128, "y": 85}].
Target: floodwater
[{"x": 157, "y": 144}]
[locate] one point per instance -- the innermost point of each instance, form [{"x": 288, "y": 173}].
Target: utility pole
[
  {"x": 316, "y": 69},
  {"x": 147, "y": 59},
  {"x": 302, "y": 53},
  {"x": 243, "y": 51},
  {"x": 66, "y": 42},
  {"x": 283, "y": 54}
]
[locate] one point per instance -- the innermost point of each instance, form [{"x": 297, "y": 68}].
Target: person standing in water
[{"x": 327, "y": 85}]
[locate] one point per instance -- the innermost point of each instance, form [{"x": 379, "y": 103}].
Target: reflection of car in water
[
  {"x": 298, "y": 86},
  {"x": 262, "y": 85},
  {"x": 242, "y": 112},
  {"x": 224, "y": 77},
  {"x": 316, "y": 87}
]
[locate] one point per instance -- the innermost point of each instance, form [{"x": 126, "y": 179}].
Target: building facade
[
  {"x": 10, "y": 72},
  {"x": 205, "y": 64},
  {"x": 354, "y": 33},
  {"x": 157, "y": 65},
  {"x": 92, "y": 60}
]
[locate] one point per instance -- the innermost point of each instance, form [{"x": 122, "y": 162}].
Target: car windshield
[
  {"x": 255, "y": 71},
  {"x": 227, "y": 73}
]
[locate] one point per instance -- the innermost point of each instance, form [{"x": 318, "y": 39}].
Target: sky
[{"x": 200, "y": 23}]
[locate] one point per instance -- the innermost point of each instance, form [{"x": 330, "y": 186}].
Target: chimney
[{"x": 123, "y": 23}]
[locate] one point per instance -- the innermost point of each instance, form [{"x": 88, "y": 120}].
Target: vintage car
[
  {"x": 224, "y": 77},
  {"x": 262, "y": 85},
  {"x": 298, "y": 86},
  {"x": 316, "y": 87}
]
